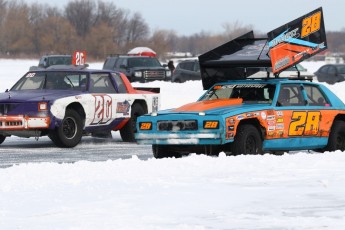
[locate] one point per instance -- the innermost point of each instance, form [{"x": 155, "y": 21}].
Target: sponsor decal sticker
[
  {"x": 280, "y": 113},
  {"x": 31, "y": 75},
  {"x": 263, "y": 115},
  {"x": 271, "y": 128},
  {"x": 280, "y": 126},
  {"x": 230, "y": 135},
  {"x": 271, "y": 117},
  {"x": 231, "y": 121},
  {"x": 271, "y": 122},
  {"x": 239, "y": 117},
  {"x": 123, "y": 107},
  {"x": 280, "y": 120}
]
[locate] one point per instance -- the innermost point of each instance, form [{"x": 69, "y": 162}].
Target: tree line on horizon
[{"x": 101, "y": 28}]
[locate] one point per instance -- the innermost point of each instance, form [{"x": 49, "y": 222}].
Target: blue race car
[{"x": 243, "y": 115}]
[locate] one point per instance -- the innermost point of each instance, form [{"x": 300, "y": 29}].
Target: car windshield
[
  {"x": 60, "y": 60},
  {"x": 52, "y": 80},
  {"x": 143, "y": 62},
  {"x": 250, "y": 93}
]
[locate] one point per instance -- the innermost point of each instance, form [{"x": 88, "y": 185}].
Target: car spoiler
[
  {"x": 284, "y": 47},
  {"x": 148, "y": 89},
  {"x": 236, "y": 59},
  {"x": 298, "y": 40}
]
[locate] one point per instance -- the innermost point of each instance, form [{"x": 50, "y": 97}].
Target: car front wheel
[
  {"x": 69, "y": 133},
  {"x": 247, "y": 140}
]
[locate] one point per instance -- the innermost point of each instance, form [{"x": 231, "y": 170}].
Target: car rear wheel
[
  {"x": 127, "y": 132},
  {"x": 247, "y": 140},
  {"x": 2, "y": 138},
  {"x": 69, "y": 133},
  {"x": 336, "y": 140}
]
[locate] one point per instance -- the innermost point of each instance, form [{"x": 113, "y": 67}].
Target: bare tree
[
  {"x": 137, "y": 29},
  {"x": 162, "y": 41},
  {"x": 18, "y": 30},
  {"x": 235, "y": 29},
  {"x": 81, "y": 15}
]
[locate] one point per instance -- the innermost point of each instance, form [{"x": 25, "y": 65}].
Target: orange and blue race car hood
[
  {"x": 208, "y": 105},
  {"x": 215, "y": 107}
]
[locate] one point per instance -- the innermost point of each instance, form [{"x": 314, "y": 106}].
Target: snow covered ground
[{"x": 300, "y": 190}]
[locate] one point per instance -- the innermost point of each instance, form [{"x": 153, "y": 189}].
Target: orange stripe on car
[{"x": 211, "y": 104}]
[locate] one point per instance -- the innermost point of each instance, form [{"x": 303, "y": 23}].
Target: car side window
[
  {"x": 121, "y": 62},
  {"x": 341, "y": 69},
  {"x": 324, "y": 69},
  {"x": 121, "y": 88},
  {"x": 182, "y": 65},
  {"x": 189, "y": 66},
  {"x": 196, "y": 67},
  {"x": 332, "y": 70},
  {"x": 101, "y": 83},
  {"x": 315, "y": 96},
  {"x": 290, "y": 95},
  {"x": 109, "y": 63}
]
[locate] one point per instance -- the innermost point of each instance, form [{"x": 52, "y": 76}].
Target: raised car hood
[{"x": 23, "y": 96}]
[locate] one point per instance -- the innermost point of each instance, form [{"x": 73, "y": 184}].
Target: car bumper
[
  {"x": 20, "y": 122},
  {"x": 179, "y": 138}
]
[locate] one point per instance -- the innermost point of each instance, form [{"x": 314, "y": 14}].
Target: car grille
[
  {"x": 177, "y": 125},
  {"x": 154, "y": 74},
  {"x": 11, "y": 124},
  {"x": 6, "y": 108}
]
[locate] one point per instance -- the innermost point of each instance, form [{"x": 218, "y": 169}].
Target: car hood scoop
[{"x": 208, "y": 105}]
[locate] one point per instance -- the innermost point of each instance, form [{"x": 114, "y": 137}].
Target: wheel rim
[
  {"x": 251, "y": 147},
  {"x": 69, "y": 127}
]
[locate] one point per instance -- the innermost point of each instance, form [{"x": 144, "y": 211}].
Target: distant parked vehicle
[
  {"x": 187, "y": 70},
  {"x": 331, "y": 73},
  {"x": 138, "y": 68},
  {"x": 51, "y": 60}
]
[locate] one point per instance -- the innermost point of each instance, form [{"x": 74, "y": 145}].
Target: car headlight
[
  {"x": 138, "y": 74},
  {"x": 168, "y": 73},
  {"x": 42, "y": 106}
]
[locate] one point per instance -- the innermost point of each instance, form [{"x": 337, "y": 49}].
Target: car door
[
  {"x": 298, "y": 118},
  {"x": 109, "y": 107},
  {"x": 195, "y": 75}
]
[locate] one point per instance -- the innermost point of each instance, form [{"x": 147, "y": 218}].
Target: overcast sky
[{"x": 187, "y": 17}]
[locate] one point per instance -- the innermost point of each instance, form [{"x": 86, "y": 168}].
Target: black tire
[
  {"x": 2, "y": 138},
  {"x": 69, "y": 133},
  {"x": 247, "y": 140},
  {"x": 336, "y": 139},
  {"x": 127, "y": 131},
  {"x": 162, "y": 151}
]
